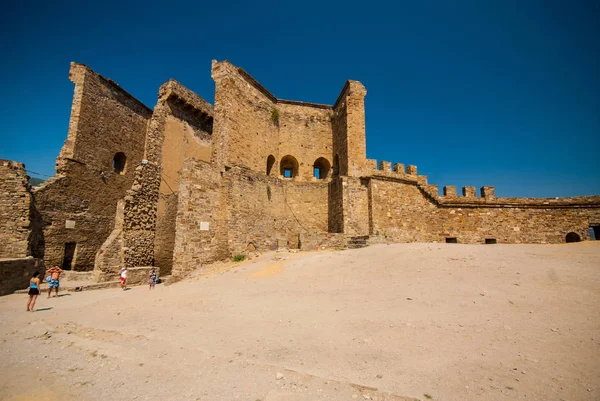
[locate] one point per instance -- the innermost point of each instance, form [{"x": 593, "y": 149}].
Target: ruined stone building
[{"x": 188, "y": 183}]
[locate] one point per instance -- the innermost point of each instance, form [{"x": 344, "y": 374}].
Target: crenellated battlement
[
  {"x": 468, "y": 196},
  {"x": 398, "y": 171}
]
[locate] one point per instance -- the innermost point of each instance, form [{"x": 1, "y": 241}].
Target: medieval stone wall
[
  {"x": 356, "y": 205},
  {"x": 242, "y": 210},
  {"x": 16, "y": 273},
  {"x": 15, "y": 210},
  {"x": 405, "y": 208},
  {"x": 264, "y": 210},
  {"x": 78, "y": 205},
  {"x": 181, "y": 127},
  {"x": 202, "y": 235},
  {"x": 187, "y": 133},
  {"x": 335, "y": 206}
]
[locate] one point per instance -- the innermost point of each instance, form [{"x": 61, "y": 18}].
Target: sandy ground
[{"x": 388, "y": 322}]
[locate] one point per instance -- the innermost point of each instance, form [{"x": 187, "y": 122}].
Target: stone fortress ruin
[{"x": 189, "y": 183}]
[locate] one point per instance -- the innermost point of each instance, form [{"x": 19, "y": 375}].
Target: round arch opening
[
  {"x": 572, "y": 237},
  {"x": 321, "y": 168},
  {"x": 288, "y": 167}
]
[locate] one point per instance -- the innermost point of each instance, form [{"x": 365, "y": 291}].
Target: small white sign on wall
[
  {"x": 69, "y": 223},
  {"x": 204, "y": 226}
]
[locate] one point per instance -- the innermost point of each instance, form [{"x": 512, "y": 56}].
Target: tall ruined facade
[{"x": 188, "y": 183}]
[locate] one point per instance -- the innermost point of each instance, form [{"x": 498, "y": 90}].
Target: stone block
[
  {"x": 487, "y": 192},
  {"x": 450, "y": 191},
  {"x": 411, "y": 170},
  {"x": 385, "y": 166},
  {"x": 469, "y": 192}
]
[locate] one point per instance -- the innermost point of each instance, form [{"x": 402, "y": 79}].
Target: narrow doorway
[
  {"x": 595, "y": 231},
  {"x": 69, "y": 255}
]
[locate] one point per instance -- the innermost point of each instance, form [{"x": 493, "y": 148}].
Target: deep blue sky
[{"x": 503, "y": 93}]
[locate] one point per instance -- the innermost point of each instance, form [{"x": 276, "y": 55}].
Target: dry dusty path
[{"x": 388, "y": 322}]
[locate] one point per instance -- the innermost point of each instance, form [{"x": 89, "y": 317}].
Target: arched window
[
  {"x": 270, "y": 162},
  {"x": 336, "y": 165},
  {"x": 289, "y": 167},
  {"x": 573, "y": 237},
  {"x": 321, "y": 168},
  {"x": 119, "y": 163}
]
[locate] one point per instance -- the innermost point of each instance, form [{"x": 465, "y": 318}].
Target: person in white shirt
[{"x": 123, "y": 278}]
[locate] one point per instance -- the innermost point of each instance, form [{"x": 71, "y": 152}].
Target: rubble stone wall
[
  {"x": 15, "y": 209},
  {"x": 16, "y": 273}
]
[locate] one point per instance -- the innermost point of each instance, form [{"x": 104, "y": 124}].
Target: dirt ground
[{"x": 388, "y": 322}]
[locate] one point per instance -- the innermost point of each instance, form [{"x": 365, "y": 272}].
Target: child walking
[{"x": 152, "y": 279}]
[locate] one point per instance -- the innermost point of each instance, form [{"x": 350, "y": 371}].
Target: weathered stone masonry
[{"x": 187, "y": 183}]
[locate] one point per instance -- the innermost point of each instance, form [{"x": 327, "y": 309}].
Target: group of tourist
[{"x": 53, "y": 280}]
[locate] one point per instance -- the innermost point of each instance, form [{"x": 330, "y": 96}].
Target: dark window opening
[
  {"x": 321, "y": 168},
  {"x": 491, "y": 241},
  {"x": 270, "y": 163},
  {"x": 289, "y": 166},
  {"x": 451, "y": 240},
  {"x": 69, "y": 255},
  {"x": 573, "y": 237},
  {"x": 119, "y": 163}
]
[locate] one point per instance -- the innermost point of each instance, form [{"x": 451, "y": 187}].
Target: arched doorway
[{"x": 573, "y": 237}]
